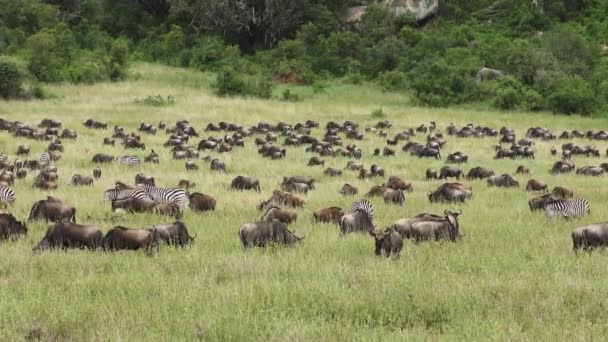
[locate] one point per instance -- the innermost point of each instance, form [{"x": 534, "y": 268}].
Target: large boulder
[
  {"x": 421, "y": 9},
  {"x": 488, "y": 74}
]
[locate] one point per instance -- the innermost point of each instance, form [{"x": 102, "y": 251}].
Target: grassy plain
[{"x": 514, "y": 275}]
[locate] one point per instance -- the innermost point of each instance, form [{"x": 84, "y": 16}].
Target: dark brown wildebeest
[
  {"x": 332, "y": 172},
  {"x": 174, "y": 233},
  {"x": 354, "y": 165},
  {"x": 316, "y": 161},
  {"x": 69, "y": 235},
  {"x": 296, "y": 187},
  {"x": 102, "y": 158},
  {"x": 590, "y": 236},
  {"x": 45, "y": 185},
  {"x": 536, "y": 185},
  {"x": 590, "y": 171},
  {"x": 134, "y": 205},
  {"x": 404, "y": 226},
  {"x": 447, "y": 229},
  {"x": 538, "y": 203},
  {"x": 449, "y": 171},
  {"x": 349, "y": 190},
  {"x": 377, "y": 190},
  {"x": 69, "y": 134},
  {"x": 503, "y": 181},
  {"x": 191, "y": 166},
  {"x": 152, "y": 158},
  {"x": 245, "y": 183},
  {"x": 52, "y": 210},
  {"x": 553, "y": 151},
  {"x": 521, "y": 169},
  {"x": 78, "y": 180},
  {"x": 388, "y": 242},
  {"x": 562, "y": 166},
  {"x": 376, "y": 171},
  {"x": 394, "y": 196},
  {"x": 94, "y": 124},
  {"x": 479, "y": 173},
  {"x": 561, "y": 192},
  {"x": 451, "y": 192},
  {"x": 23, "y": 150},
  {"x": 431, "y": 174},
  {"x": 21, "y": 173},
  {"x": 217, "y": 165},
  {"x": 299, "y": 179},
  {"x": 397, "y": 183},
  {"x": 10, "y": 228},
  {"x": 142, "y": 178},
  {"x": 109, "y": 141},
  {"x": 201, "y": 202},
  {"x": 168, "y": 209},
  {"x": 261, "y": 233},
  {"x": 97, "y": 173},
  {"x": 388, "y": 152},
  {"x": 186, "y": 184},
  {"x": 286, "y": 216},
  {"x": 331, "y": 214},
  {"x": 120, "y": 238}
]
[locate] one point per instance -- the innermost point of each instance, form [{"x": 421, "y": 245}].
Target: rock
[
  {"x": 421, "y": 9},
  {"x": 488, "y": 74}
]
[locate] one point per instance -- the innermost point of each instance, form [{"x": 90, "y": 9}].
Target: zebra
[
  {"x": 129, "y": 160},
  {"x": 118, "y": 194},
  {"x": 7, "y": 196},
  {"x": 45, "y": 158},
  {"x": 166, "y": 195},
  {"x": 567, "y": 208},
  {"x": 364, "y": 205}
]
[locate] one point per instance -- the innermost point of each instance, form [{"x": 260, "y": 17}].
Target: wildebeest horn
[
  {"x": 459, "y": 211},
  {"x": 445, "y": 212}
]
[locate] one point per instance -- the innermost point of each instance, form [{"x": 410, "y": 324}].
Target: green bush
[
  {"x": 572, "y": 95},
  {"x": 378, "y": 114},
  {"x": 228, "y": 83},
  {"x": 11, "y": 79},
  {"x": 533, "y": 101},
  {"x": 118, "y": 64},
  {"x": 156, "y": 100},
  {"x": 295, "y": 71},
  {"x": 46, "y": 64},
  {"x": 174, "y": 43},
  {"x": 263, "y": 88},
  {"x": 393, "y": 80},
  {"x": 210, "y": 53},
  {"x": 289, "y": 96},
  {"x": 507, "y": 98}
]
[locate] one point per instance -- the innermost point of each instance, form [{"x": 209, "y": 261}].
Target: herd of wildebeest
[{"x": 280, "y": 209}]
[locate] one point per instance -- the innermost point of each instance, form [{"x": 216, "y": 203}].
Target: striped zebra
[
  {"x": 567, "y": 208},
  {"x": 166, "y": 195},
  {"x": 118, "y": 194},
  {"x": 45, "y": 158},
  {"x": 363, "y": 205},
  {"x": 7, "y": 196},
  {"x": 129, "y": 160}
]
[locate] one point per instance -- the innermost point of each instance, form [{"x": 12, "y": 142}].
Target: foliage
[
  {"x": 228, "y": 83},
  {"x": 11, "y": 79},
  {"x": 378, "y": 113},
  {"x": 572, "y": 95},
  {"x": 156, "y": 100},
  {"x": 289, "y": 96}
]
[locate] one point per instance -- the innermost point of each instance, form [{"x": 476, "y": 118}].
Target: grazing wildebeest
[
  {"x": 201, "y": 202},
  {"x": 174, "y": 233},
  {"x": 504, "y": 181},
  {"x": 538, "y": 203},
  {"x": 397, "y": 183},
  {"x": 245, "y": 183},
  {"x": 296, "y": 187},
  {"x": 349, "y": 190},
  {"x": 121, "y": 238},
  {"x": 142, "y": 178},
  {"x": 332, "y": 214},
  {"x": 69, "y": 235},
  {"x": 394, "y": 196},
  {"x": 447, "y": 229},
  {"x": 23, "y": 150},
  {"x": 479, "y": 173},
  {"x": 377, "y": 190},
  {"x": 102, "y": 158},
  {"x": 388, "y": 242},
  {"x": 51, "y": 209},
  {"x": 536, "y": 185},
  {"x": 78, "y": 180},
  {"x": 261, "y": 233},
  {"x": 590, "y": 236},
  {"x": 431, "y": 174},
  {"x": 168, "y": 209},
  {"x": 191, "y": 166},
  {"x": 45, "y": 185},
  {"x": 109, "y": 141},
  {"x": 217, "y": 165},
  {"x": 561, "y": 192},
  {"x": 10, "y": 228},
  {"x": 332, "y": 172},
  {"x": 590, "y": 171},
  {"x": 299, "y": 179},
  {"x": 449, "y": 171},
  {"x": 521, "y": 169},
  {"x": 451, "y": 192},
  {"x": 97, "y": 173},
  {"x": 186, "y": 184},
  {"x": 315, "y": 161},
  {"x": 152, "y": 158},
  {"x": 134, "y": 205},
  {"x": 562, "y": 166},
  {"x": 354, "y": 165},
  {"x": 286, "y": 216}
]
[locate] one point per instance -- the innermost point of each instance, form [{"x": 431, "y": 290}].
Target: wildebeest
[
  {"x": 447, "y": 229},
  {"x": 331, "y": 214},
  {"x": 562, "y": 166},
  {"x": 245, "y": 183},
  {"x": 431, "y": 174},
  {"x": 538, "y": 203},
  {"x": 388, "y": 242},
  {"x": 451, "y": 192},
  {"x": 394, "y": 196},
  {"x": 457, "y": 158},
  {"x": 449, "y": 171},
  {"x": 69, "y": 235},
  {"x": 134, "y": 205},
  {"x": 53, "y": 210},
  {"x": 397, "y": 183},
  {"x": 201, "y": 202},
  {"x": 356, "y": 221},
  {"x": 521, "y": 169},
  {"x": 102, "y": 158},
  {"x": 45, "y": 184},
  {"x": 191, "y": 166},
  {"x": 97, "y": 173},
  {"x": 120, "y": 238},
  {"x": 354, "y": 165},
  {"x": 23, "y": 150},
  {"x": 504, "y": 181},
  {"x": 218, "y": 165},
  {"x": 349, "y": 190},
  {"x": 590, "y": 236},
  {"x": 332, "y": 172},
  {"x": 590, "y": 171},
  {"x": 536, "y": 185},
  {"x": 259, "y": 234},
  {"x": 314, "y": 161},
  {"x": 286, "y": 216},
  {"x": 296, "y": 187},
  {"x": 10, "y": 228},
  {"x": 561, "y": 192},
  {"x": 78, "y": 180},
  {"x": 174, "y": 233},
  {"x": 168, "y": 209},
  {"x": 479, "y": 173}
]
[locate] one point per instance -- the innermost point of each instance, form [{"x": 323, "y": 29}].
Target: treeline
[{"x": 552, "y": 52}]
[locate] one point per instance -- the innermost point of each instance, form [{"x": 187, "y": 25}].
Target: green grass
[{"x": 514, "y": 275}]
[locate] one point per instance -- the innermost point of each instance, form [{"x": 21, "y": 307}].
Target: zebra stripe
[
  {"x": 45, "y": 158},
  {"x": 568, "y": 207},
  {"x": 118, "y": 194},
  {"x": 129, "y": 160},
  {"x": 3, "y": 157},
  {"x": 7, "y": 195},
  {"x": 364, "y": 205},
  {"x": 166, "y": 195}
]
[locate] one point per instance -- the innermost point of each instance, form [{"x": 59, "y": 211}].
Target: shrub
[
  {"x": 11, "y": 79},
  {"x": 45, "y": 63},
  {"x": 533, "y": 101},
  {"x": 173, "y": 43},
  {"x": 378, "y": 114},
  {"x": 507, "y": 98},
  {"x": 88, "y": 68},
  {"x": 156, "y": 100},
  {"x": 228, "y": 83},
  {"x": 393, "y": 80},
  {"x": 263, "y": 89},
  {"x": 211, "y": 54},
  {"x": 294, "y": 71},
  {"x": 572, "y": 95},
  {"x": 289, "y": 96},
  {"x": 117, "y": 66}
]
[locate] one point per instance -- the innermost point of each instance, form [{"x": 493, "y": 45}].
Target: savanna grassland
[{"x": 513, "y": 275}]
